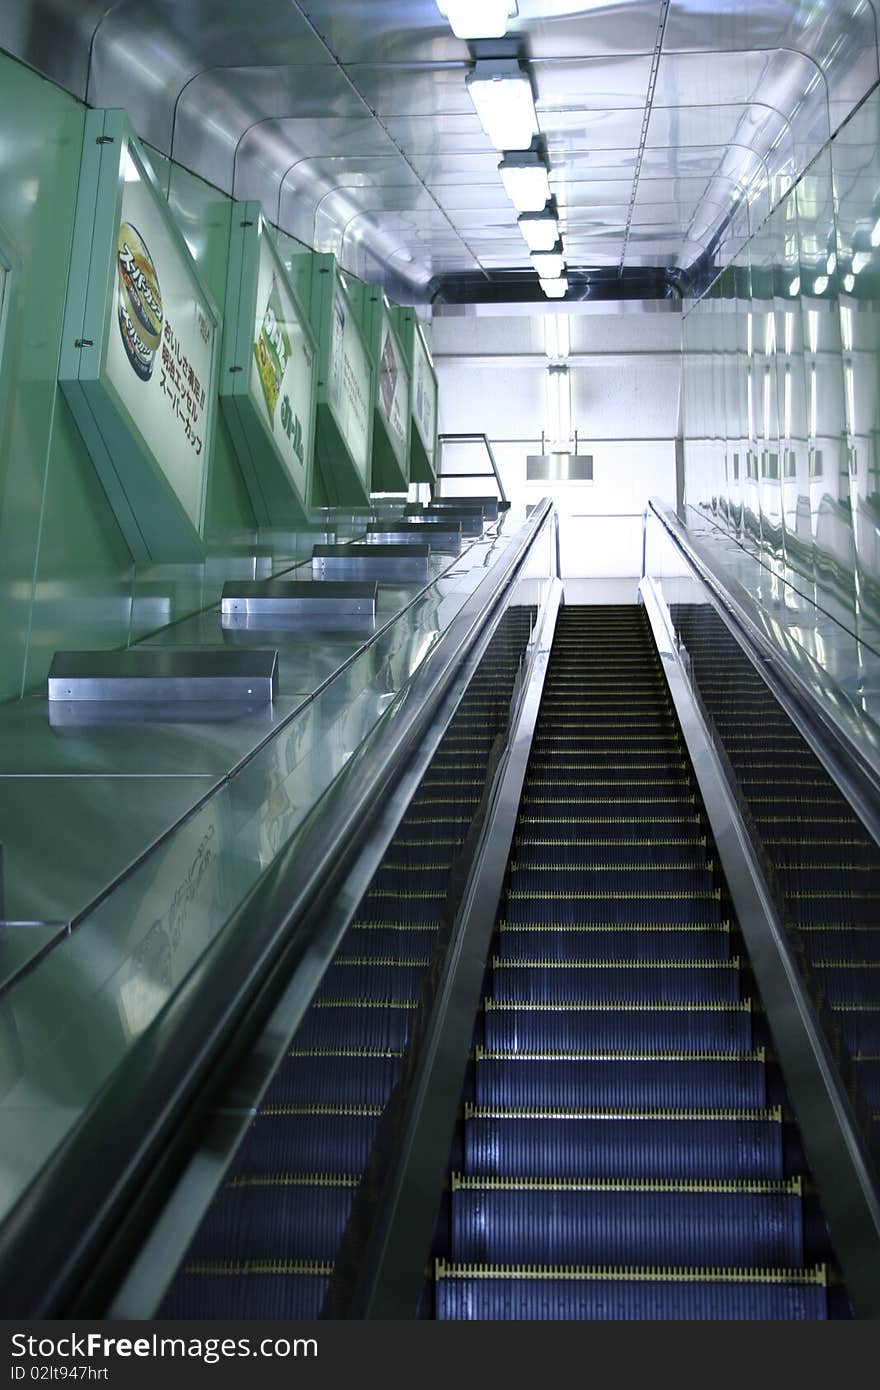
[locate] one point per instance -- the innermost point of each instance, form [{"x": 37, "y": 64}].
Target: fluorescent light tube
[
  {"x": 476, "y": 19},
  {"x": 540, "y": 229},
  {"x": 502, "y": 95},
  {"x": 795, "y": 286},
  {"x": 549, "y": 264},
  {"x": 849, "y": 283},
  {"x": 861, "y": 261},
  {"x": 557, "y": 327},
  {"x": 558, "y": 407},
  {"x": 555, "y": 289},
  {"x": 526, "y": 181},
  {"x": 820, "y": 284}
]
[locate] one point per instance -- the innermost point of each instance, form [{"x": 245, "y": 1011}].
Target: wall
[
  {"x": 66, "y": 575},
  {"x": 624, "y": 370},
  {"x": 781, "y": 385}
]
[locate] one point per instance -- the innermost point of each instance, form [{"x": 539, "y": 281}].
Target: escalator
[
  {"x": 824, "y": 865},
  {"x": 626, "y": 1149},
  {"x": 266, "y": 1247}
]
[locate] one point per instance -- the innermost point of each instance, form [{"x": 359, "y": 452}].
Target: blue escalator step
[
  {"x": 275, "y": 1290},
  {"x": 597, "y": 877},
  {"x": 676, "y": 942},
  {"x": 381, "y": 978},
  {"x": 557, "y": 1221},
  {"x": 639, "y": 1027},
  {"x": 609, "y": 908},
  {"x": 339, "y": 1021},
  {"x": 471, "y": 1293},
  {"x": 694, "y": 1144},
  {"x": 308, "y": 1139},
  {"x": 334, "y": 1076},
  {"x": 676, "y": 982},
  {"x": 616, "y": 1079},
  {"x": 279, "y": 1216}
]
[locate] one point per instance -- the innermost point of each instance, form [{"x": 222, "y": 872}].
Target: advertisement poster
[
  {"x": 281, "y": 371},
  {"x": 393, "y": 389},
  {"x": 160, "y": 344},
  {"x": 424, "y": 397},
  {"x": 348, "y": 388}
]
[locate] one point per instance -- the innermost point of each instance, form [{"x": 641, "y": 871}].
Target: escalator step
[
  {"x": 680, "y": 982},
  {"x": 597, "y": 877},
  {"x": 663, "y": 908},
  {"x": 328, "y": 1078},
  {"x": 309, "y": 1139},
  {"x": 655, "y": 1080},
  {"x": 618, "y": 1026},
  {"x": 286, "y": 1290},
  {"x": 357, "y": 1022},
  {"x": 626, "y": 1222},
  {"x": 471, "y": 1292},
  {"x": 648, "y": 1143},
  {"x": 283, "y": 1216},
  {"x": 677, "y": 942}
]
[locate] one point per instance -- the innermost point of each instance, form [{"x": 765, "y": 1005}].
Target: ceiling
[{"x": 671, "y": 126}]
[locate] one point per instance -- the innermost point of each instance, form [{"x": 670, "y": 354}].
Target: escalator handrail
[
  {"x": 839, "y": 752},
  {"x": 54, "y": 1235}
]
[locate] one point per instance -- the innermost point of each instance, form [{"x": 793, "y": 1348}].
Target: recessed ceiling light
[
  {"x": 476, "y": 19},
  {"x": 526, "y": 181},
  {"x": 549, "y": 264},
  {"x": 501, "y": 91},
  {"x": 555, "y": 289},
  {"x": 540, "y": 229}
]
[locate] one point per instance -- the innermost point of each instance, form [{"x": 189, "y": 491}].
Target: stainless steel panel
[
  {"x": 559, "y": 468},
  {"x": 383, "y": 563},
  {"x": 279, "y": 597},
  {"x": 446, "y": 539},
  {"x": 147, "y": 674}
]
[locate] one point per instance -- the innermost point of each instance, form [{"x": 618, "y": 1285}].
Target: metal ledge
[
  {"x": 444, "y": 538},
  {"x": 392, "y": 564},
  {"x": 291, "y": 598},
  {"x": 163, "y": 674},
  {"x": 827, "y": 1124},
  {"x": 489, "y": 505},
  {"x": 471, "y": 518}
]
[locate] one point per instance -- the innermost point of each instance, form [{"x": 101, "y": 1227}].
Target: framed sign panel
[
  {"x": 391, "y": 389},
  {"x": 269, "y": 373},
  {"x": 141, "y": 347},
  {"x": 423, "y": 399},
  {"x": 344, "y": 417}
]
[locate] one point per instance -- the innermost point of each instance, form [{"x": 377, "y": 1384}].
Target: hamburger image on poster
[{"x": 139, "y": 302}]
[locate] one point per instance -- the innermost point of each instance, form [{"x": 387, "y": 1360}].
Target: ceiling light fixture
[
  {"x": 549, "y": 264},
  {"x": 501, "y": 91},
  {"x": 860, "y": 261},
  {"x": 831, "y": 263},
  {"x": 540, "y": 229},
  {"x": 526, "y": 180},
  {"x": 555, "y": 289},
  {"x": 476, "y": 19},
  {"x": 558, "y": 407},
  {"x": 849, "y": 283},
  {"x": 820, "y": 284}
]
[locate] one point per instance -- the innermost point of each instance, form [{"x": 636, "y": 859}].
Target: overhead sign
[
  {"x": 424, "y": 395},
  {"x": 393, "y": 398},
  {"x": 269, "y": 372},
  {"x": 140, "y": 351},
  {"x": 344, "y": 417},
  {"x": 348, "y": 391}
]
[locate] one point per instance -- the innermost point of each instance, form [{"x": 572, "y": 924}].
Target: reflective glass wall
[{"x": 782, "y": 387}]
